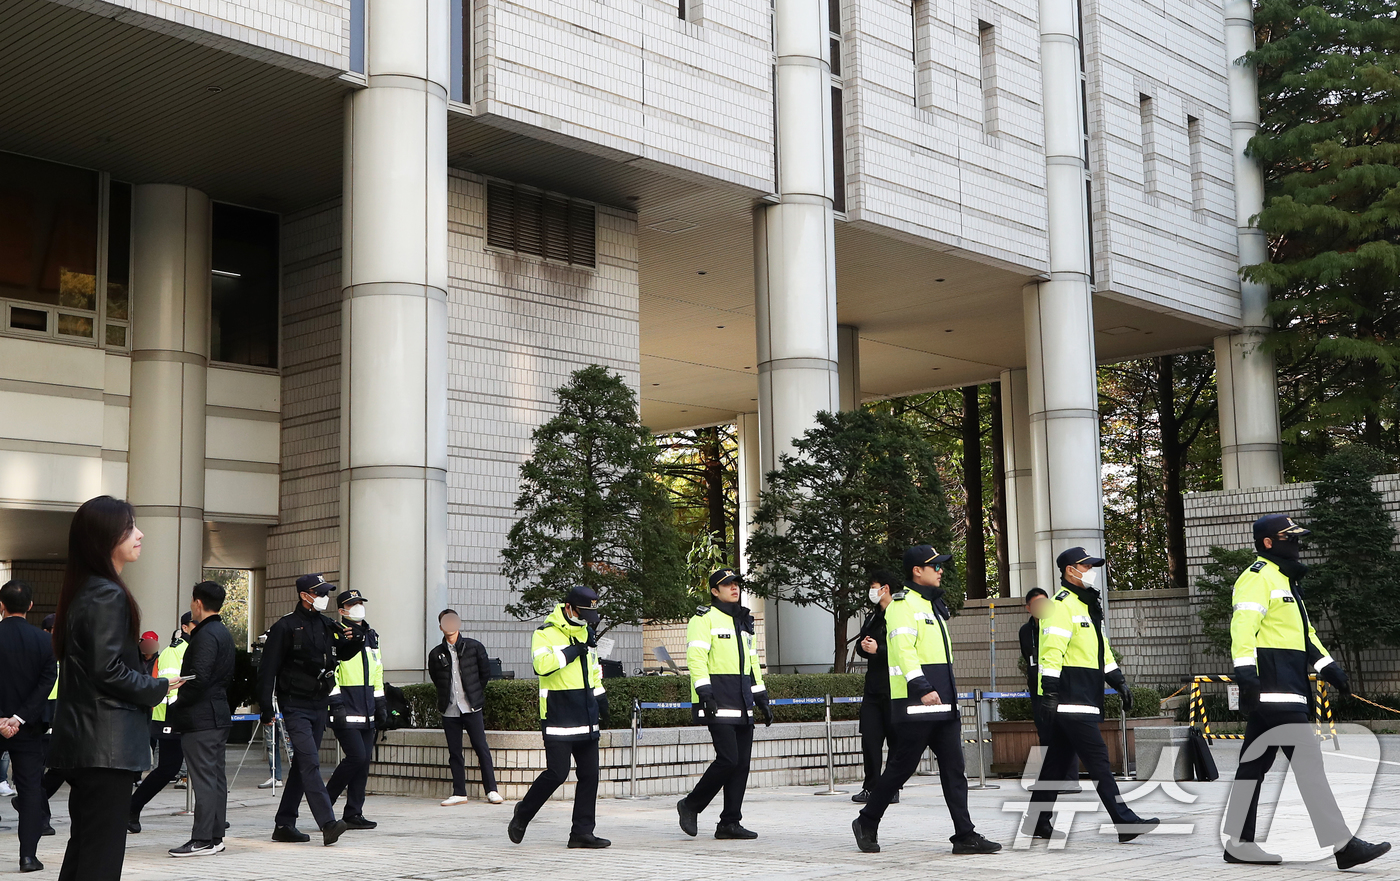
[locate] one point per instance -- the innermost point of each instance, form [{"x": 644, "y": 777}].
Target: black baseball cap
[
  {"x": 585, "y": 600},
  {"x": 48, "y": 621},
  {"x": 186, "y": 618},
  {"x": 315, "y": 585},
  {"x": 1278, "y": 526},
  {"x": 722, "y": 576},
  {"x": 1075, "y": 556},
  {"x": 349, "y": 596},
  {"x": 923, "y": 555}
]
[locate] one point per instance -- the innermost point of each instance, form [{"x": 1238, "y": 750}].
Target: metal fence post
[
  {"x": 830, "y": 757},
  {"x": 981, "y": 746},
  {"x": 636, "y": 724}
]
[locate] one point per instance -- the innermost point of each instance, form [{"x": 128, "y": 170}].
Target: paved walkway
[{"x": 802, "y": 836}]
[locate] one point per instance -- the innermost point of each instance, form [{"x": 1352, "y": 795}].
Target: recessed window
[
  {"x": 987, "y": 45},
  {"x": 243, "y": 303},
  {"x": 118, "y": 263},
  {"x": 29, "y": 319},
  {"x": 48, "y": 233},
  {"x": 529, "y": 221}
]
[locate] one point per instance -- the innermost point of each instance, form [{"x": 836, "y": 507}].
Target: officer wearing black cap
[
  {"x": 1075, "y": 662},
  {"x": 572, "y": 706},
  {"x": 357, "y": 708},
  {"x": 1275, "y": 647},
  {"x": 299, "y": 662},
  {"x": 923, "y": 703},
  {"x": 726, "y": 693}
]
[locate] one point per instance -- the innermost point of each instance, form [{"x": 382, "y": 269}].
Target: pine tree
[
  {"x": 592, "y": 511},
  {"x": 860, "y": 489},
  {"x": 1217, "y": 590}
]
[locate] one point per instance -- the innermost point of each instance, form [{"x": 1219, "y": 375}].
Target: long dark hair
[{"x": 98, "y": 527}]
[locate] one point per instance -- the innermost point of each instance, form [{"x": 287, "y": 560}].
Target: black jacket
[
  {"x": 26, "y": 657},
  {"x": 104, "y": 694},
  {"x": 877, "y": 671},
  {"x": 475, "y": 670},
  {"x": 1030, "y": 650},
  {"x": 203, "y": 703},
  {"x": 299, "y": 660}
]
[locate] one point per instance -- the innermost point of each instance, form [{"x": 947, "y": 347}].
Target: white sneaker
[
  {"x": 266, "y": 784},
  {"x": 453, "y": 801},
  {"x": 494, "y": 797},
  {"x": 6, "y": 790}
]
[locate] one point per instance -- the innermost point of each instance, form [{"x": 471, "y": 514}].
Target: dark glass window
[
  {"x": 357, "y": 36},
  {"x": 118, "y": 263},
  {"x": 243, "y": 311},
  {"x": 461, "y": 50},
  {"x": 838, "y": 151},
  {"x": 48, "y": 234}
]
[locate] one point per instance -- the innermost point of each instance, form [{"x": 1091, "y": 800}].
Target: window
[
  {"x": 530, "y": 221},
  {"x": 244, "y": 290},
  {"x": 1198, "y": 169},
  {"x": 460, "y": 88},
  {"x": 1147, "y": 119},
  {"x": 118, "y": 318},
  {"x": 48, "y": 247},
  {"x": 357, "y": 36},
  {"x": 838, "y": 115},
  {"x": 923, "y": 54},
  {"x": 986, "y": 41}
]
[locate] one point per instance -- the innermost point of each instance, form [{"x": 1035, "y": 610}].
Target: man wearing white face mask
[
  {"x": 872, "y": 643},
  {"x": 357, "y": 708},
  {"x": 299, "y": 663}
]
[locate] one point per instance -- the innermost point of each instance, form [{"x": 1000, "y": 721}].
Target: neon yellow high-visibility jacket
[
  {"x": 571, "y": 679},
  {"x": 168, "y": 667},
  {"x": 1075, "y": 651},
  {"x": 723, "y": 661},
  {"x": 921, "y": 656},
  {"x": 1269, "y": 629},
  {"x": 359, "y": 683}
]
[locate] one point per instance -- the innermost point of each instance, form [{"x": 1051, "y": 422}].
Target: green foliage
[
  {"x": 234, "y": 614},
  {"x": 1146, "y": 702},
  {"x": 592, "y": 512},
  {"x": 705, "y": 556},
  {"x": 1354, "y": 590},
  {"x": 861, "y": 488},
  {"x": 1217, "y": 587}
]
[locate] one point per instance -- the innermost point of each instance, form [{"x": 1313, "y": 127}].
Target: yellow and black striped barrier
[{"x": 1198, "y": 708}]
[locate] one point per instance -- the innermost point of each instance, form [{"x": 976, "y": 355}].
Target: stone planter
[{"x": 1012, "y": 742}]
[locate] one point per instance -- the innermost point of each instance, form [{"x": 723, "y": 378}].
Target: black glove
[
  {"x": 1335, "y": 676},
  {"x": 708, "y": 704},
  {"x": 572, "y": 651},
  {"x": 381, "y": 714},
  {"x": 592, "y": 637},
  {"x": 1247, "y": 678},
  {"x": 1119, "y": 683},
  {"x": 765, "y": 712},
  {"x": 602, "y": 711},
  {"x": 1127, "y": 695},
  {"x": 1049, "y": 695}
]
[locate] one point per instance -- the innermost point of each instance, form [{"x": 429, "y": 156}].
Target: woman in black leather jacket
[{"x": 105, "y": 694}]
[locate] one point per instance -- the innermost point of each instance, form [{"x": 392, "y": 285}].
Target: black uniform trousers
[
  {"x": 1242, "y": 815},
  {"x": 557, "y": 754},
  {"x": 98, "y": 801},
  {"x": 944, "y": 737},
  {"x": 352, "y": 773},
  {"x": 170, "y": 754},
  {"x": 1075, "y": 737},
  {"x": 876, "y": 730},
  {"x": 1042, "y": 722},
  {"x": 304, "y": 729},
  {"x": 475, "y": 726},
  {"x": 27, "y": 764},
  {"x": 729, "y": 771}
]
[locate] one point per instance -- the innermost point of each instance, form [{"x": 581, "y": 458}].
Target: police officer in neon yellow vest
[
  {"x": 572, "y": 706},
  {"x": 726, "y": 692},
  {"x": 1275, "y": 647},
  {"x": 357, "y": 707},
  {"x": 171, "y": 756}
]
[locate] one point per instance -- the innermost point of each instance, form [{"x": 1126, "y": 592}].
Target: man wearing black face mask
[{"x": 1274, "y": 646}]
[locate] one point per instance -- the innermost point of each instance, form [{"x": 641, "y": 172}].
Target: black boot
[
  {"x": 516, "y": 829},
  {"x": 735, "y": 832},
  {"x": 588, "y": 840},
  {"x": 1357, "y": 852}
]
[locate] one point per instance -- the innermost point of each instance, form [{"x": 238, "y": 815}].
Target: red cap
[{"x": 151, "y": 634}]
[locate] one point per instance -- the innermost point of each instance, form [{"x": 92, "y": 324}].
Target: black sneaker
[
  {"x": 689, "y": 817},
  {"x": 1140, "y": 826},
  {"x": 360, "y": 823},
  {"x": 516, "y": 829},
  {"x": 588, "y": 840},
  {"x": 1249, "y": 853},
  {"x": 133, "y": 822},
  {"x": 331, "y": 832},
  {"x": 1044, "y": 828},
  {"x": 194, "y": 848},
  {"x": 861, "y": 797},
  {"x": 734, "y": 831},
  {"x": 866, "y": 839},
  {"x": 1357, "y": 852},
  {"x": 974, "y": 842},
  {"x": 289, "y": 835}
]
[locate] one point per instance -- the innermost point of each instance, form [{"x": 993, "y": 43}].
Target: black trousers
[
  {"x": 204, "y": 754},
  {"x": 170, "y": 754},
  {"x": 945, "y": 739},
  {"x": 98, "y": 801},
  {"x": 1075, "y": 737},
  {"x": 304, "y": 730},
  {"x": 27, "y": 764},
  {"x": 1242, "y": 815},
  {"x": 729, "y": 771},
  {"x": 475, "y": 726},
  {"x": 557, "y": 755},
  {"x": 352, "y": 773},
  {"x": 1042, "y": 724},
  {"x": 876, "y": 730}
]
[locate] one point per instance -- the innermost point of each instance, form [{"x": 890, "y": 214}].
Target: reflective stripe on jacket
[
  {"x": 569, "y": 686},
  {"x": 168, "y": 667},
  {"x": 1268, "y": 631},
  {"x": 721, "y": 653},
  {"x": 921, "y": 657},
  {"x": 359, "y": 684},
  {"x": 1070, "y": 650}
]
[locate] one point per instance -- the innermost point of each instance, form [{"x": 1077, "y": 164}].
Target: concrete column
[
  {"x": 1020, "y": 485},
  {"x": 1062, "y": 383},
  {"x": 795, "y": 287},
  {"x": 1248, "y": 386},
  {"x": 750, "y": 479},
  {"x": 848, "y": 365},
  {"x": 257, "y": 605},
  {"x": 170, "y": 264},
  {"x": 394, "y": 331}
]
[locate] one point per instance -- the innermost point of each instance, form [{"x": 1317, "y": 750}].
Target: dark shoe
[
  {"x": 1357, "y": 852},
  {"x": 1250, "y": 853},
  {"x": 516, "y": 829},
  {"x": 1141, "y": 826},
  {"x": 588, "y": 840},
  {"x": 690, "y": 818},
  {"x": 1044, "y": 828},
  {"x": 133, "y": 823},
  {"x": 47, "y": 830},
  {"x": 734, "y": 831},
  {"x": 331, "y": 832},
  {"x": 30, "y": 864},
  {"x": 974, "y": 842},
  {"x": 861, "y": 797},
  {"x": 895, "y": 800},
  {"x": 866, "y": 839},
  {"x": 194, "y": 848},
  {"x": 289, "y": 834},
  {"x": 360, "y": 823}
]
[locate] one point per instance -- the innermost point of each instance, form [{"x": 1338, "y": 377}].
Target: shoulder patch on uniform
[
  {"x": 1062, "y": 594},
  {"x": 1258, "y": 566},
  {"x": 702, "y": 610},
  {"x": 545, "y": 626},
  {"x": 899, "y": 594}
]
